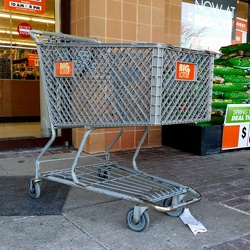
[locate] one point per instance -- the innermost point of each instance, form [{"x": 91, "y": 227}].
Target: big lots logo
[
  {"x": 185, "y": 71},
  {"x": 64, "y": 69}
]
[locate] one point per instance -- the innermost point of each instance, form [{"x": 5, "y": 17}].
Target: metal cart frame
[{"x": 119, "y": 85}]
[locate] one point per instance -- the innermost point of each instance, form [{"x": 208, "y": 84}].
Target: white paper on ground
[{"x": 194, "y": 225}]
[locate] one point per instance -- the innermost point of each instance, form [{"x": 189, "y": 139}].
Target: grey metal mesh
[
  {"x": 124, "y": 85},
  {"x": 186, "y": 101}
]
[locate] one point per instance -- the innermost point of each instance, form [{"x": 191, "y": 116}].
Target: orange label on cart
[
  {"x": 64, "y": 69},
  {"x": 185, "y": 71}
]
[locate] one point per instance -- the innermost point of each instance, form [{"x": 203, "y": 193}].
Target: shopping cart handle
[{"x": 33, "y": 34}]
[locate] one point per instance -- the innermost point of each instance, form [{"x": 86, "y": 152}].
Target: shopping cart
[{"x": 95, "y": 85}]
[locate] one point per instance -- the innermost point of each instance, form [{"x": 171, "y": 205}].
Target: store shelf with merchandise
[{"x": 22, "y": 70}]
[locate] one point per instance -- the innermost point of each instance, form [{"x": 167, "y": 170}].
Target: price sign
[
  {"x": 236, "y": 131},
  {"x": 243, "y": 139},
  {"x": 37, "y": 62},
  {"x": 35, "y": 6},
  {"x": 33, "y": 60}
]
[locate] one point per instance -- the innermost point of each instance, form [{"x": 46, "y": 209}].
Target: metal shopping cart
[{"x": 95, "y": 85}]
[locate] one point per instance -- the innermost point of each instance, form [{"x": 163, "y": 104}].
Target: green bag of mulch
[
  {"x": 222, "y": 103},
  {"x": 231, "y": 55},
  {"x": 240, "y": 63},
  {"x": 229, "y": 87},
  {"x": 236, "y": 54},
  {"x": 235, "y": 47},
  {"x": 213, "y": 121},
  {"x": 236, "y": 79},
  {"x": 221, "y": 61},
  {"x": 217, "y": 94},
  {"x": 222, "y": 70},
  {"x": 237, "y": 95}
]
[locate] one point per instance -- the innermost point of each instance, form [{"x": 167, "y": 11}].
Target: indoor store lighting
[
  {"x": 42, "y": 20},
  {"x": 20, "y": 17},
  {"x": 9, "y": 32},
  {"x": 17, "y": 43},
  {"x": 27, "y": 44},
  {"x": 12, "y": 32},
  {"x": 27, "y": 18},
  {"x": 4, "y": 15}
]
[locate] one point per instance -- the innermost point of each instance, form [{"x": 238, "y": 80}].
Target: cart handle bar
[
  {"x": 33, "y": 34},
  {"x": 72, "y": 38}
]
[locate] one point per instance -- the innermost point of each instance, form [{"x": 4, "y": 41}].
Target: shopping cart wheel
[
  {"x": 103, "y": 174},
  {"x": 34, "y": 189},
  {"x": 174, "y": 213},
  {"x": 139, "y": 226}
]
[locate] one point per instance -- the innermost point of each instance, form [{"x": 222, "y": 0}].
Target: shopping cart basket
[{"x": 95, "y": 85}]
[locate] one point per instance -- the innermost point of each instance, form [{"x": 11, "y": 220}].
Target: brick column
[{"x": 125, "y": 21}]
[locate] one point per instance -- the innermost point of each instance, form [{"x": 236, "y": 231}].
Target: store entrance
[{"x": 22, "y": 113}]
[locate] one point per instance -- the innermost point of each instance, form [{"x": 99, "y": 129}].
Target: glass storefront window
[
  {"x": 20, "y": 105},
  {"x": 18, "y": 63},
  {"x": 211, "y": 24},
  {"x": 5, "y": 55},
  {"x": 25, "y": 64},
  {"x": 15, "y": 45}
]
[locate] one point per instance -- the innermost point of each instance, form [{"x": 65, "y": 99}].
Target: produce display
[{"x": 231, "y": 82}]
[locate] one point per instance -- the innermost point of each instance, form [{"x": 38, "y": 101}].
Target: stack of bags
[{"x": 231, "y": 83}]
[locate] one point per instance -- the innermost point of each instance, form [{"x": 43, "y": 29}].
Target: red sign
[
  {"x": 238, "y": 36},
  {"x": 23, "y": 30},
  {"x": 64, "y": 69},
  {"x": 35, "y": 6},
  {"x": 241, "y": 30},
  {"x": 185, "y": 71},
  {"x": 241, "y": 24},
  {"x": 33, "y": 60}
]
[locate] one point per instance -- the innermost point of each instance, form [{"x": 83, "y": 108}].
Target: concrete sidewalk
[{"x": 92, "y": 221}]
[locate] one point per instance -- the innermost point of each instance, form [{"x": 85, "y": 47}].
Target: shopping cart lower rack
[
  {"x": 95, "y": 85},
  {"x": 110, "y": 178}
]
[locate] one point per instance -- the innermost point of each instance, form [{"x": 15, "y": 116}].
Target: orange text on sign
[
  {"x": 64, "y": 69},
  {"x": 185, "y": 71}
]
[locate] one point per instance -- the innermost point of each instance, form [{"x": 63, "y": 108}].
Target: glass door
[{"x": 21, "y": 107}]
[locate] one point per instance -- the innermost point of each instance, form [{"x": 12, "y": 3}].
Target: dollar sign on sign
[{"x": 243, "y": 135}]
